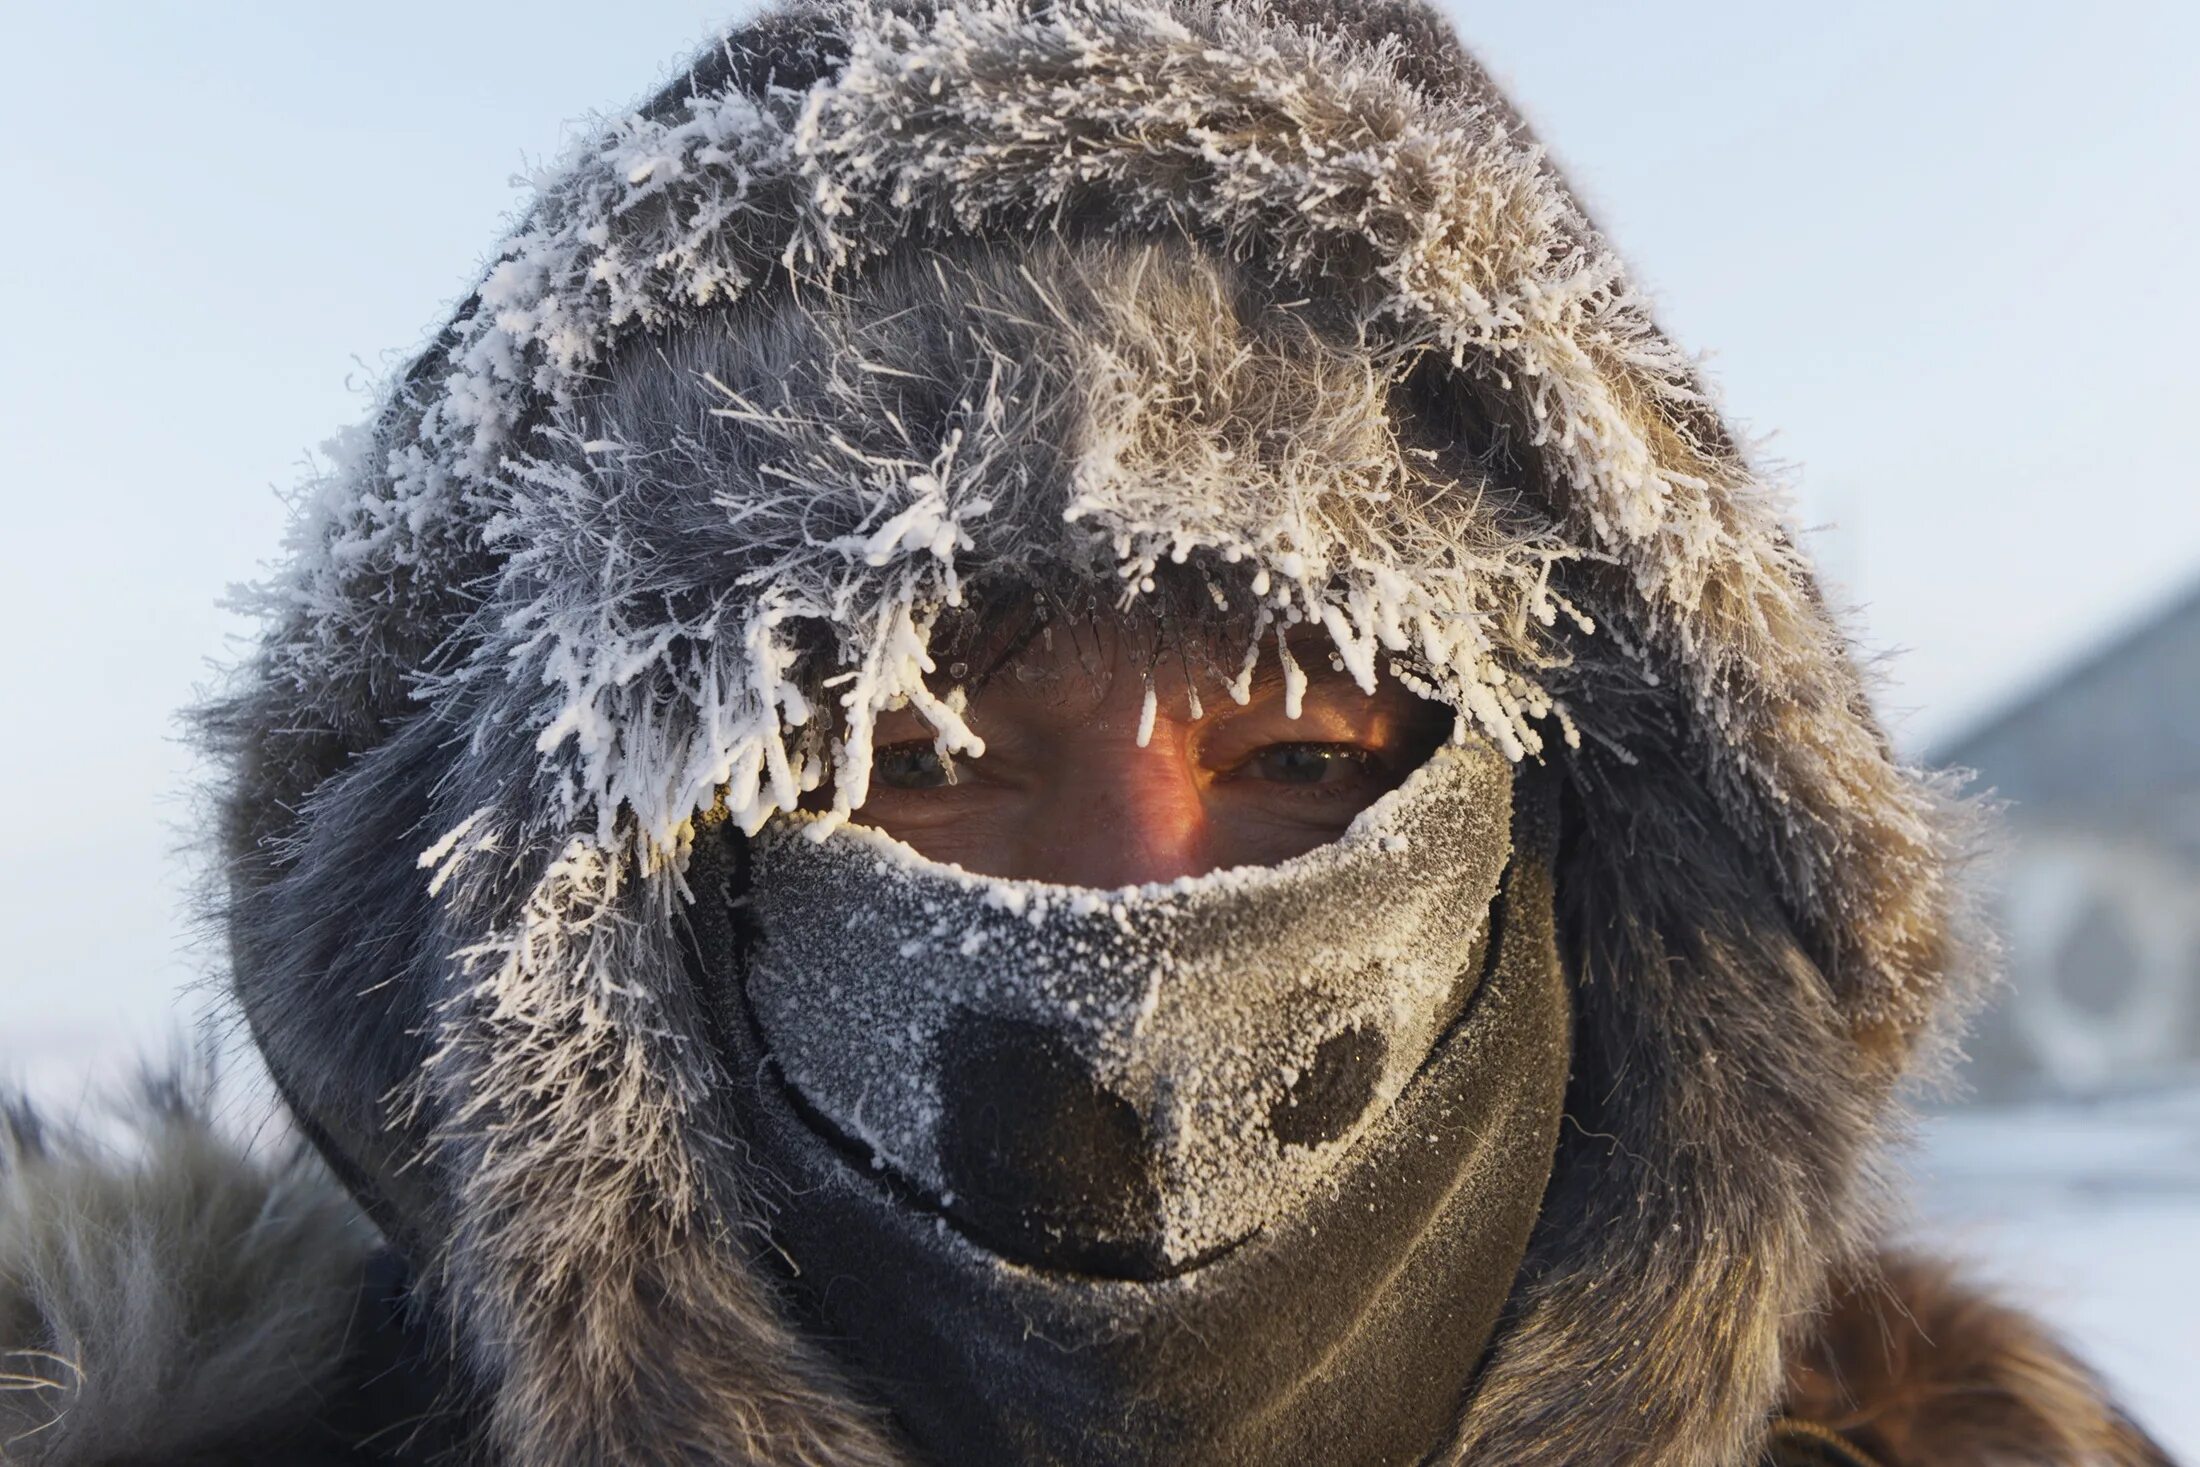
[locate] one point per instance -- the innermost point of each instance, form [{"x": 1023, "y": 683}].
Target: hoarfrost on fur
[
  {"x": 990, "y": 118},
  {"x": 995, "y": 119},
  {"x": 605, "y": 254},
  {"x": 659, "y": 713}
]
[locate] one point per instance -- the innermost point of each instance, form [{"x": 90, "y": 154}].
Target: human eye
[
  {"x": 1318, "y": 767},
  {"x": 915, "y": 765}
]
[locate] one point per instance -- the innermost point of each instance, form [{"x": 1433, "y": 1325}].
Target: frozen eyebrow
[{"x": 1268, "y": 673}]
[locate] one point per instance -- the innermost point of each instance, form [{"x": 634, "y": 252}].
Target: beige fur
[{"x": 1918, "y": 1369}]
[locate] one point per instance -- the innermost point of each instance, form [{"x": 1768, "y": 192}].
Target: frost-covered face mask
[{"x": 1235, "y": 1168}]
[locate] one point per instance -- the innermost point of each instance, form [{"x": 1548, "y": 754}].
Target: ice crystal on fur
[
  {"x": 1429, "y": 214},
  {"x": 565, "y": 596},
  {"x": 850, "y": 482}
]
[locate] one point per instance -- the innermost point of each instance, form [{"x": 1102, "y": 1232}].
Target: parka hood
[{"x": 1281, "y": 297}]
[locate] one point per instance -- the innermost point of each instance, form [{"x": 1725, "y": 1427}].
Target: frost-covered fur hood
[{"x": 875, "y": 311}]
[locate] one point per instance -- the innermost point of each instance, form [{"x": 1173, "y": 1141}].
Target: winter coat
[
  {"x": 202, "y": 1305},
  {"x": 528, "y": 646}
]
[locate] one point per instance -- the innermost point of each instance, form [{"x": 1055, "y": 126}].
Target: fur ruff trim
[
  {"x": 183, "y": 1300},
  {"x": 495, "y": 697},
  {"x": 173, "y": 1300},
  {"x": 1918, "y": 1369}
]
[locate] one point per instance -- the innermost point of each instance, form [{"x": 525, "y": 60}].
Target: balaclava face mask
[{"x": 1233, "y": 1169}]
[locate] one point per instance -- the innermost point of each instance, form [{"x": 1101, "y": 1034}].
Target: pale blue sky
[{"x": 1943, "y": 253}]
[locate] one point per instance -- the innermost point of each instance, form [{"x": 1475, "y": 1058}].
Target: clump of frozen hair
[{"x": 771, "y": 515}]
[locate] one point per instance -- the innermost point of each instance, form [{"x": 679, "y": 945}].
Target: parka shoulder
[{"x": 187, "y": 1300}]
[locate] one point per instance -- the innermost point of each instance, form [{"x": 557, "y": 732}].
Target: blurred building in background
[{"x": 2096, "y": 881}]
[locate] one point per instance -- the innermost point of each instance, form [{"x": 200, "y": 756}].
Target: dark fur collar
[
  {"x": 186, "y": 1302},
  {"x": 1917, "y": 1368}
]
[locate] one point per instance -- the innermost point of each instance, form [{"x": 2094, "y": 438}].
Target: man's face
[{"x": 1067, "y": 791}]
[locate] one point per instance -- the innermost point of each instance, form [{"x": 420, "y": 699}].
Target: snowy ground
[{"x": 2090, "y": 1216}]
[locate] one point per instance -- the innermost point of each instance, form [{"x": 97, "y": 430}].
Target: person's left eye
[
  {"x": 1310, "y": 765},
  {"x": 911, "y": 766}
]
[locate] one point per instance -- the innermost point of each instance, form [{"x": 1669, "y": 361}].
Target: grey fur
[
  {"x": 504, "y": 1053},
  {"x": 177, "y": 1300}
]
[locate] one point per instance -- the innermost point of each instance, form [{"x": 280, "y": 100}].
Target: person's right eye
[
  {"x": 911, "y": 766},
  {"x": 1323, "y": 767}
]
